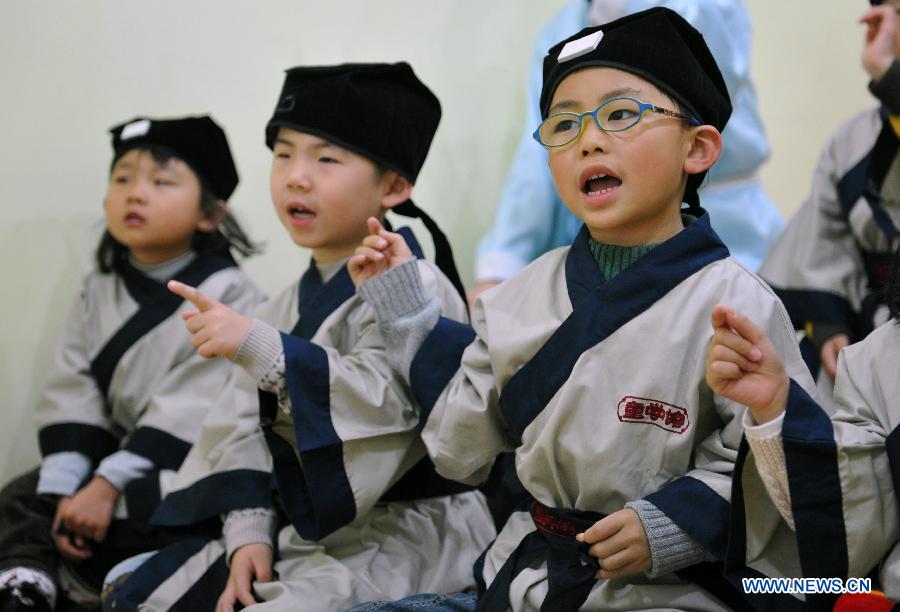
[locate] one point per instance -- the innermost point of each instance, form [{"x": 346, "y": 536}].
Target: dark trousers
[{"x": 25, "y": 522}]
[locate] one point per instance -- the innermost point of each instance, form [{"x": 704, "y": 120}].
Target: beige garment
[{"x": 583, "y": 451}]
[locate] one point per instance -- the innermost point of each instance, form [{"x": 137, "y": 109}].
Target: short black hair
[{"x": 228, "y": 235}]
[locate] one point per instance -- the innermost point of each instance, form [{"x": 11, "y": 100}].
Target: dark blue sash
[{"x": 571, "y": 570}]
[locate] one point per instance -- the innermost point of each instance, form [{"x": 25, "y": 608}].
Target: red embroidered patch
[{"x": 644, "y": 410}]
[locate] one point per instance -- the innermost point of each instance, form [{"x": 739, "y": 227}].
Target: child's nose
[
  {"x": 593, "y": 139},
  {"x": 137, "y": 191},
  {"x": 298, "y": 176}
]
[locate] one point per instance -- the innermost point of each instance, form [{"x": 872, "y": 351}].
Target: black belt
[{"x": 571, "y": 570}]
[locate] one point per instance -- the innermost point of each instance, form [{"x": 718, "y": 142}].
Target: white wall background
[{"x": 70, "y": 70}]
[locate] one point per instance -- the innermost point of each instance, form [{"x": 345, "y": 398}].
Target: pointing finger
[
  {"x": 375, "y": 226},
  {"x": 201, "y": 301}
]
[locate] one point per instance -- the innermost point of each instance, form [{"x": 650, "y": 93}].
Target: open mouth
[
  {"x": 298, "y": 211},
  {"x": 598, "y": 184}
]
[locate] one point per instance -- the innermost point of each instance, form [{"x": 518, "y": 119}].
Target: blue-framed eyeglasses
[{"x": 614, "y": 115}]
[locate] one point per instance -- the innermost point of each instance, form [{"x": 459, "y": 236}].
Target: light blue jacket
[{"x": 531, "y": 219}]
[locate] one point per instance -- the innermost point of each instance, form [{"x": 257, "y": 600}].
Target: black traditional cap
[
  {"x": 382, "y": 111},
  {"x": 199, "y": 141},
  {"x": 657, "y": 45}
]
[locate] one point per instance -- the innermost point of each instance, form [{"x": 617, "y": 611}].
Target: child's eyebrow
[
  {"x": 169, "y": 165},
  {"x": 324, "y": 144},
  {"x": 314, "y": 146},
  {"x": 563, "y": 105},
  {"x": 618, "y": 93},
  {"x": 283, "y": 141},
  {"x": 615, "y": 93}
]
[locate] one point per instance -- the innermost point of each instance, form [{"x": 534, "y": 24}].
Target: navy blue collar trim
[
  {"x": 314, "y": 487},
  {"x": 694, "y": 247},
  {"x": 866, "y": 178},
  {"x": 146, "y": 290},
  {"x": 157, "y": 305},
  {"x": 600, "y": 308},
  {"x": 317, "y": 300}
]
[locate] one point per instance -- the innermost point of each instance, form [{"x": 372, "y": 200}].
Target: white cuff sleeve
[
  {"x": 122, "y": 467},
  {"x": 770, "y": 428},
  {"x": 63, "y": 473}
]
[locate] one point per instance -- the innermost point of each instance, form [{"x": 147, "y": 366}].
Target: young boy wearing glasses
[{"x": 589, "y": 364}]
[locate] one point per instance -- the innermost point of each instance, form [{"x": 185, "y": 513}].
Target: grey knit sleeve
[
  {"x": 671, "y": 548},
  {"x": 262, "y": 356},
  {"x": 405, "y": 315},
  {"x": 248, "y": 526}
]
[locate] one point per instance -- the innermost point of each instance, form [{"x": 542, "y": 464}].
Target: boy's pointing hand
[
  {"x": 380, "y": 251},
  {"x": 216, "y": 330}
]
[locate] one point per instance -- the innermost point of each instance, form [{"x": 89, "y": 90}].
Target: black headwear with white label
[{"x": 658, "y": 45}]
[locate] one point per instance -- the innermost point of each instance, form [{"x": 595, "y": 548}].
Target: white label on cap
[
  {"x": 579, "y": 47},
  {"x": 135, "y": 129}
]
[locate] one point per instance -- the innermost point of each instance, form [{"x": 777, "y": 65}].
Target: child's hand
[
  {"x": 743, "y": 366},
  {"x": 620, "y": 543},
  {"x": 380, "y": 251},
  {"x": 830, "y": 350},
  {"x": 216, "y": 330},
  {"x": 89, "y": 512},
  {"x": 878, "y": 52},
  {"x": 74, "y": 548},
  {"x": 248, "y": 563}
]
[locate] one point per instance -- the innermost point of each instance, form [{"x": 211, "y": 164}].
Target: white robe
[
  {"x": 843, "y": 468},
  {"x": 153, "y": 395},
  {"x": 833, "y": 258},
  {"x": 351, "y": 425},
  {"x": 604, "y": 407}
]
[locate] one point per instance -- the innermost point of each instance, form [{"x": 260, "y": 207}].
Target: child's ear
[
  {"x": 397, "y": 189},
  {"x": 705, "y": 148},
  {"x": 212, "y": 218}
]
